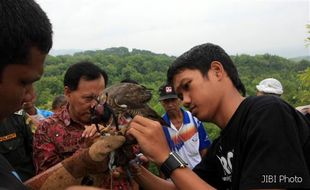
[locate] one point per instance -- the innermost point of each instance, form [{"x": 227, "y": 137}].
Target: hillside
[
  {"x": 297, "y": 59},
  {"x": 150, "y": 70}
]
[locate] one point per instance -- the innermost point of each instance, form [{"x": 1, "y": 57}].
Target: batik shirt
[{"x": 56, "y": 138}]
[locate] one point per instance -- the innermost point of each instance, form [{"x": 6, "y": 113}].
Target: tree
[{"x": 304, "y": 87}]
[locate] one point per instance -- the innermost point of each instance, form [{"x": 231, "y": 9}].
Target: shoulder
[
  {"x": 264, "y": 100},
  {"x": 272, "y": 115},
  {"x": 14, "y": 121},
  {"x": 53, "y": 122},
  {"x": 265, "y": 114},
  {"x": 266, "y": 104}
]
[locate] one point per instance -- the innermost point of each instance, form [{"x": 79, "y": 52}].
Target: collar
[
  {"x": 65, "y": 116},
  {"x": 186, "y": 119}
]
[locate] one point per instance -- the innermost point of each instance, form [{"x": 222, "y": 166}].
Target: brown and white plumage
[
  {"x": 128, "y": 100},
  {"x": 131, "y": 99}
]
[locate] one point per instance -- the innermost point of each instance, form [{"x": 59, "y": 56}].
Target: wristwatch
[{"x": 173, "y": 162}]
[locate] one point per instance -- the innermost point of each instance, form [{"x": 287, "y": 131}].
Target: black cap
[{"x": 167, "y": 92}]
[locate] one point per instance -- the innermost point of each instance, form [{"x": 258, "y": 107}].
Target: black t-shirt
[
  {"x": 307, "y": 115},
  {"x": 8, "y": 177},
  {"x": 266, "y": 144}
]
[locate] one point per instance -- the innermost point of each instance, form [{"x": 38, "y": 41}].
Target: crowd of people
[{"x": 264, "y": 142}]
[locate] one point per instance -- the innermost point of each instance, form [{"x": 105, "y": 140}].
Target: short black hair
[
  {"x": 23, "y": 25},
  {"x": 128, "y": 80},
  {"x": 86, "y": 70},
  {"x": 200, "y": 57}
]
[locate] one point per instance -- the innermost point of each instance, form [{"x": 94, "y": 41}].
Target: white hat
[{"x": 270, "y": 85}]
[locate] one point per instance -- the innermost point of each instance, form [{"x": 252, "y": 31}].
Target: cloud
[{"x": 174, "y": 26}]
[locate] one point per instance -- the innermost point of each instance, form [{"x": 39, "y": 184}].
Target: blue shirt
[
  {"x": 189, "y": 140},
  {"x": 44, "y": 113}
]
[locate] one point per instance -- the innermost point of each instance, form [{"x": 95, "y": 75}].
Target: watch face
[{"x": 173, "y": 162}]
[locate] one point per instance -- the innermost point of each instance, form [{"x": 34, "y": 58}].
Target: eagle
[
  {"x": 117, "y": 105},
  {"x": 127, "y": 100}
]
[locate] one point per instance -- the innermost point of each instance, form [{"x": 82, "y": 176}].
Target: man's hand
[
  {"x": 150, "y": 137},
  {"x": 91, "y": 131}
]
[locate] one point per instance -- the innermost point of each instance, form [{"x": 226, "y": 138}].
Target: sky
[{"x": 277, "y": 27}]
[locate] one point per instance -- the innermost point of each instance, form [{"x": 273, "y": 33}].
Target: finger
[
  {"x": 143, "y": 159},
  {"x": 142, "y": 120},
  {"x": 101, "y": 127},
  {"x": 84, "y": 134},
  {"x": 92, "y": 131},
  {"x": 136, "y": 130},
  {"x": 87, "y": 132}
]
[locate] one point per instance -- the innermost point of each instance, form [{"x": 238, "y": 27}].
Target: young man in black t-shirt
[{"x": 264, "y": 141}]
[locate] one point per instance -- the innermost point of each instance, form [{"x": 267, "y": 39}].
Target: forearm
[
  {"x": 152, "y": 182},
  {"x": 185, "y": 179}
]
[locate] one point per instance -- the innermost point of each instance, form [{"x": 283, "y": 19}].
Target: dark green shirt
[{"x": 16, "y": 145}]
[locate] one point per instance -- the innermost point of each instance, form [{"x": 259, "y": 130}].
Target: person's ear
[
  {"x": 67, "y": 91},
  {"x": 217, "y": 69}
]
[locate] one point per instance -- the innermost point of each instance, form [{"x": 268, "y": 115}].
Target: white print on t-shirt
[{"x": 227, "y": 166}]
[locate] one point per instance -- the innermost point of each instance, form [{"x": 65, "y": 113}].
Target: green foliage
[
  {"x": 47, "y": 88},
  {"x": 153, "y": 168},
  {"x": 213, "y": 130},
  {"x": 253, "y": 69},
  {"x": 149, "y": 69},
  {"x": 304, "y": 86}
]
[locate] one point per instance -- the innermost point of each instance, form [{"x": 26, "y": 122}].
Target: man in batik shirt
[{"x": 65, "y": 132}]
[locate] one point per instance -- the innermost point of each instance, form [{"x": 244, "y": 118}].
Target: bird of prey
[{"x": 126, "y": 100}]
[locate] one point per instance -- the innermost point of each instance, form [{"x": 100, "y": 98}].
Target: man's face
[
  {"x": 198, "y": 93},
  {"x": 171, "y": 105},
  {"x": 83, "y": 99},
  {"x": 16, "y": 83}
]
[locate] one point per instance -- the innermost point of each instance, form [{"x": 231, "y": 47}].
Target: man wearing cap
[
  {"x": 185, "y": 134},
  {"x": 269, "y": 86}
]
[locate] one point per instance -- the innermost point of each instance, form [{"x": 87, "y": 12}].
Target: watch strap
[{"x": 173, "y": 162}]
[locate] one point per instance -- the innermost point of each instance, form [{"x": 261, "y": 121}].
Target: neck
[
  {"x": 228, "y": 106},
  {"x": 176, "y": 118}
]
